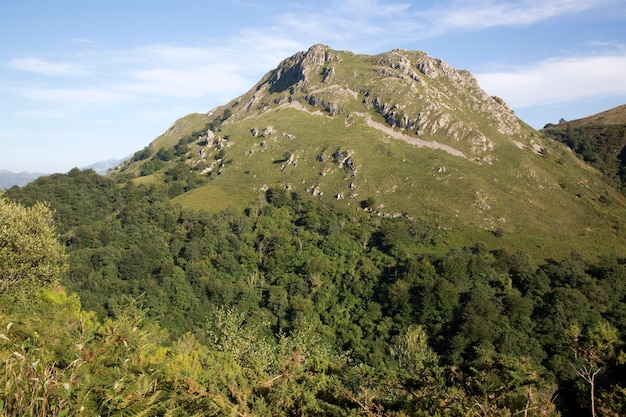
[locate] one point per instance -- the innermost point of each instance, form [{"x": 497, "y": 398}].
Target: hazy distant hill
[
  {"x": 103, "y": 167},
  {"x": 9, "y": 179}
]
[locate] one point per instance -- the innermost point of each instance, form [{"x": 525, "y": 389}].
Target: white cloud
[
  {"x": 67, "y": 96},
  {"x": 558, "y": 80},
  {"x": 212, "y": 73},
  {"x": 490, "y": 13},
  {"x": 43, "y": 67},
  {"x": 218, "y": 72},
  {"x": 44, "y": 113},
  {"x": 374, "y": 23},
  {"x": 194, "y": 82},
  {"x": 365, "y": 23}
]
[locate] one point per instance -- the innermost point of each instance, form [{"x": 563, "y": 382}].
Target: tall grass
[{"x": 30, "y": 385}]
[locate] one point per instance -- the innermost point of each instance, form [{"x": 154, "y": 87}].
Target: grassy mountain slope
[
  {"x": 406, "y": 131},
  {"x": 614, "y": 116}
]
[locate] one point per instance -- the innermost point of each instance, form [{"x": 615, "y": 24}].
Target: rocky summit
[
  {"x": 419, "y": 95},
  {"x": 402, "y": 130}
]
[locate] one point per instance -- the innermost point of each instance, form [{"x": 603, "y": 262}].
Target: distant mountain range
[
  {"x": 9, "y": 178},
  {"x": 103, "y": 167}
]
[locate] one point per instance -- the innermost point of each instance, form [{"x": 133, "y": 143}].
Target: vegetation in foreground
[{"x": 290, "y": 308}]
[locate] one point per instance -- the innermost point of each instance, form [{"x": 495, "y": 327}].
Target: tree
[
  {"x": 412, "y": 351},
  {"x": 30, "y": 254},
  {"x": 593, "y": 354},
  {"x": 370, "y": 202}
]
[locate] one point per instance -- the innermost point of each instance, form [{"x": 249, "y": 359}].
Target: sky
[{"x": 82, "y": 81}]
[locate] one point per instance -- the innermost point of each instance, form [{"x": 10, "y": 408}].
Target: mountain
[
  {"x": 398, "y": 134},
  {"x": 103, "y": 167},
  {"x": 599, "y": 139},
  {"x": 9, "y": 179}
]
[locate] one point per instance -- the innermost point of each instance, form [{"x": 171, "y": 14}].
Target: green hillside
[
  {"x": 599, "y": 139},
  {"x": 189, "y": 313}
]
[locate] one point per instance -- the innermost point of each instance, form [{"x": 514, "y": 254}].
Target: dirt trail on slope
[
  {"x": 388, "y": 130},
  {"x": 410, "y": 139}
]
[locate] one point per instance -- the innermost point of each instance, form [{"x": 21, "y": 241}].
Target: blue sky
[{"x": 84, "y": 81}]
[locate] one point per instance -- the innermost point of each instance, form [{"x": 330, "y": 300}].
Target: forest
[
  {"x": 602, "y": 146},
  {"x": 114, "y": 301}
]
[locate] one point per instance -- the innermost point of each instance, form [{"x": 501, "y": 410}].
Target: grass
[
  {"x": 211, "y": 199},
  {"x": 614, "y": 116},
  {"x": 541, "y": 207}
]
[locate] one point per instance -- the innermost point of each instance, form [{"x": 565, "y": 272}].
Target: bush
[
  {"x": 30, "y": 255},
  {"x": 151, "y": 167}
]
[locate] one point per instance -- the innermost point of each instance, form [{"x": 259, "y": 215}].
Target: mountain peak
[
  {"x": 423, "y": 97},
  {"x": 295, "y": 69}
]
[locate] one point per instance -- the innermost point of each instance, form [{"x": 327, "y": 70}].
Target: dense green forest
[
  {"x": 289, "y": 307},
  {"x": 602, "y": 146}
]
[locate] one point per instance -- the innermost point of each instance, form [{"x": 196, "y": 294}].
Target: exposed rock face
[
  {"x": 294, "y": 70},
  {"x": 422, "y": 97},
  {"x": 446, "y": 92}
]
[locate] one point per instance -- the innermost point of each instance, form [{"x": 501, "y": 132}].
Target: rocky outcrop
[
  {"x": 295, "y": 69},
  {"x": 446, "y": 102}
]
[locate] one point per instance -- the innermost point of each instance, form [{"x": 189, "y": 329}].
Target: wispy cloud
[
  {"x": 43, "y": 67},
  {"x": 88, "y": 95},
  {"x": 558, "y": 80},
  {"x": 480, "y": 14},
  {"x": 374, "y": 22},
  {"x": 217, "y": 72},
  {"x": 195, "y": 82},
  {"x": 149, "y": 72},
  {"x": 44, "y": 113}
]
